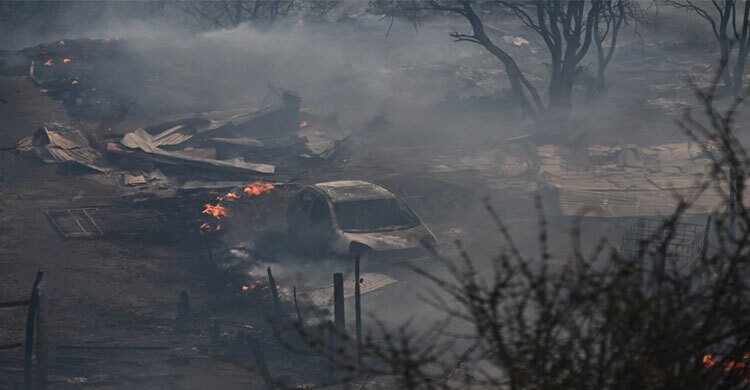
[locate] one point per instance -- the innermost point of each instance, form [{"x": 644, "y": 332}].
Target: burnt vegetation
[
  {"x": 542, "y": 194},
  {"x": 606, "y": 318}
]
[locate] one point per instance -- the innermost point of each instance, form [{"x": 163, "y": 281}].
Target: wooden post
[
  {"x": 30, "y": 320},
  {"x": 338, "y": 303},
  {"x": 42, "y": 341},
  {"x": 296, "y": 307},
  {"x": 183, "y": 308},
  {"x": 274, "y": 292},
  {"x": 358, "y": 309},
  {"x": 331, "y": 351},
  {"x": 260, "y": 361},
  {"x": 215, "y": 333},
  {"x": 210, "y": 252}
]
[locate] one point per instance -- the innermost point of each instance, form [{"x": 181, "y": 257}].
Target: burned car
[{"x": 343, "y": 218}]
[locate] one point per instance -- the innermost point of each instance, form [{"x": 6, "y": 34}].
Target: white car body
[{"x": 342, "y": 218}]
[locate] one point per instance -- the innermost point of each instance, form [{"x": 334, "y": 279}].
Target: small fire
[
  {"x": 48, "y": 62},
  {"x": 61, "y": 42},
  {"x": 206, "y": 227},
  {"x": 303, "y": 124},
  {"x": 217, "y": 211},
  {"x": 66, "y": 60},
  {"x": 258, "y": 188},
  {"x": 709, "y": 361},
  {"x": 74, "y": 82},
  {"x": 259, "y": 284},
  {"x": 228, "y": 195}
]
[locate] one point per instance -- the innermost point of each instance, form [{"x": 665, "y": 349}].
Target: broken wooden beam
[
  {"x": 274, "y": 291},
  {"x": 42, "y": 343},
  {"x": 30, "y": 327},
  {"x": 358, "y": 309},
  {"x": 115, "y": 347}
]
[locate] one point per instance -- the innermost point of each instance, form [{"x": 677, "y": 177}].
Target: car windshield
[{"x": 374, "y": 215}]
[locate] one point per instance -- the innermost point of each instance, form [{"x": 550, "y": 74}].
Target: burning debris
[{"x": 218, "y": 211}]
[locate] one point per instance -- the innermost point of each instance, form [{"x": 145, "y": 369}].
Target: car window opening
[
  {"x": 320, "y": 214},
  {"x": 374, "y": 215}
]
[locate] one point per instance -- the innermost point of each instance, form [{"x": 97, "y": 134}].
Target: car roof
[{"x": 349, "y": 190}]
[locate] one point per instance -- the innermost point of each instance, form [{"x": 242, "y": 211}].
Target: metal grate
[
  {"x": 101, "y": 221},
  {"x": 684, "y": 248},
  {"x": 324, "y": 296}
]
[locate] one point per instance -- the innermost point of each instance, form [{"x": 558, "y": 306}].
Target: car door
[
  {"x": 298, "y": 219},
  {"x": 321, "y": 224}
]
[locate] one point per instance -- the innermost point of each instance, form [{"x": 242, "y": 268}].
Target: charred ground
[{"x": 426, "y": 118}]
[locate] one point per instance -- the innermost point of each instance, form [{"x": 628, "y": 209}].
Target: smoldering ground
[{"x": 439, "y": 104}]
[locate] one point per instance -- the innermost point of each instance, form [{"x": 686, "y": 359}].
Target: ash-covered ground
[{"x": 428, "y": 118}]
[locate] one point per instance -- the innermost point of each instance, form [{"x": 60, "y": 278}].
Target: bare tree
[
  {"x": 567, "y": 28},
  {"x": 607, "y": 28},
  {"x": 16, "y": 14},
  {"x": 230, "y": 13},
  {"x": 730, "y": 23}
]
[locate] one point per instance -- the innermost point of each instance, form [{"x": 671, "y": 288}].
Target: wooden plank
[
  {"x": 15, "y": 303},
  {"x": 358, "y": 309},
  {"x": 338, "y": 303},
  {"x": 30, "y": 322}
]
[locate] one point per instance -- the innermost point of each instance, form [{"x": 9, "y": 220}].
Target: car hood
[{"x": 390, "y": 240}]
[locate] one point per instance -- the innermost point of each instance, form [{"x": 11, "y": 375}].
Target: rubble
[
  {"x": 140, "y": 145},
  {"x": 625, "y": 181},
  {"x": 222, "y": 140},
  {"x": 56, "y": 143},
  {"x": 221, "y": 144}
]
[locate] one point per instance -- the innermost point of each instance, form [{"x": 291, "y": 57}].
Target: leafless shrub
[{"x": 601, "y": 320}]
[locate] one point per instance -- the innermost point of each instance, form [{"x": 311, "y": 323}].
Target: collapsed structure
[{"x": 275, "y": 142}]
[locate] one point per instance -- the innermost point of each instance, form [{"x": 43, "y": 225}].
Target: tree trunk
[
  {"x": 739, "y": 71},
  {"x": 559, "y": 106},
  {"x": 724, "y": 59}
]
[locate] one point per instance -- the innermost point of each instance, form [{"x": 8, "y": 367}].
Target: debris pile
[
  {"x": 56, "y": 143},
  {"x": 276, "y": 141},
  {"x": 627, "y": 180}
]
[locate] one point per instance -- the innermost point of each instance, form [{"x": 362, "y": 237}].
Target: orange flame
[
  {"x": 303, "y": 124},
  {"x": 228, "y": 195},
  {"x": 217, "y": 211},
  {"x": 258, "y": 188},
  {"x": 48, "y": 62},
  {"x": 66, "y": 60},
  {"x": 74, "y": 82},
  {"x": 245, "y": 288},
  {"x": 61, "y": 42},
  {"x": 709, "y": 361}
]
